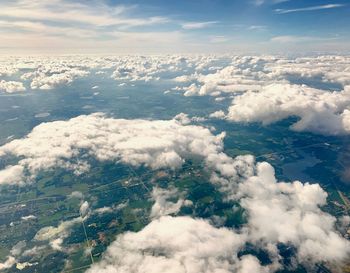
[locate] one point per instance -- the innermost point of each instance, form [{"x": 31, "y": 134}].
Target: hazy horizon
[{"x": 154, "y": 26}]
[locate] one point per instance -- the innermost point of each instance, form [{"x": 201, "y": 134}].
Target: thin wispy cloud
[
  {"x": 26, "y": 25},
  {"x": 59, "y": 11},
  {"x": 198, "y": 25},
  {"x": 261, "y": 2},
  {"x": 257, "y": 27},
  {"x": 299, "y": 39},
  {"x": 321, "y": 7},
  {"x": 218, "y": 39}
]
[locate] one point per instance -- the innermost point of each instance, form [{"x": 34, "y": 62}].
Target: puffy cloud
[
  {"x": 146, "y": 68},
  {"x": 18, "y": 248},
  {"x": 289, "y": 213},
  {"x": 56, "y": 235},
  {"x": 242, "y": 74},
  {"x": 185, "y": 119},
  {"x": 267, "y": 89},
  {"x": 277, "y": 213},
  {"x": 218, "y": 114},
  {"x": 162, "y": 205},
  {"x": 12, "y": 175},
  {"x": 50, "y": 232},
  {"x": 28, "y": 217},
  {"x": 47, "y": 80},
  {"x": 76, "y": 194},
  {"x": 84, "y": 209},
  {"x": 173, "y": 244},
  {"x": 155, "y": 144},
  {"x": 10, "y": 261},
  {"x": 104, "y": 210},
  {"x": 110, "y": 209},
  {"x": 11, "y": 86},
  {"x": 319, "y": 111},
  {"x": 7, "y": 68},
  {"x": 251, "y": 73}
]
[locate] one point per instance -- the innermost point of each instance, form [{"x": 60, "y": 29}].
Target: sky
[{"x": 179, "y": 26}]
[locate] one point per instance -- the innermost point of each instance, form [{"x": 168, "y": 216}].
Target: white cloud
[
  {"x": 198, "y": 25},
  {"x": 62, "y": 26},
  {"x": 218, "y": 39},
  {"x": 48, "y": 80},
  {"x": 7, "y": 69},
  {"x": 261, "y": 2},
  {"x": 10, "y": 261},
  {"x": 277, "y": 213},
  {"x": 218, "y": 114},
  {"x": 290, "y": 213},
  {"x": 12, "y": 175},
  {"x": 111, "y": 209},
  {"x": 155, "y": 144},
  {"x": 179, "y": 244},
  {"x": 97, "y": 15},
  {"x": 28, "y": 217},
  {"x": 257, "y": 27},
  {"x": 76, "y": 194},
  {"x": 313, "y": 8},
  {"x": 55, "y": 235},
  {"x": 17, "y": 249},
  {"x": 11, "y": 86},
  {"x": 253, "y": 81},
  {"x": 299, "y": 39},
  {"x": 319, "y": 111},
  {"x": 84, "y": 209},
  {"x": 162, "y": 205},
  {"x": 244, "y": 73}
]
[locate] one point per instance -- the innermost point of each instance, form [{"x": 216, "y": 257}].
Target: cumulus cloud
[
  {"x": 242, "y": 74},
  {"x": 268, "y": 89},
  {"x": 84, "y": 209},
  {"x": 28, "y": 217},
  {"x": 110, "y": 209},
  {"x": 147, "y": 68},
  {"x": 18, "y": 248},
  {"x": 47, "y": 80},
  {"x": 217, "y": 114},
  {"x": 12, "y": 175},
  {"x": 319, "y": 111},
  {"x": 10, "y": 261},
  {"x": 11, "y": 86},
  {"x": 7, "y": 68},
  {"x": 277, "y": 213},
  {"x": 163, "y": 205},
  {"x": 251, "y": 73},
  {"x": 290, "y": 213},
  {"x": 173, "y": 244},
  {"x": 56, "y": 235},
  {"x": 76, "y": 194},
  {"x": 156, "y": 144},
  {"x": 185, "y": 119}
]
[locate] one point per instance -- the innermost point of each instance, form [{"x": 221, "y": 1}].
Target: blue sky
[{"x": 178, "y": 26}]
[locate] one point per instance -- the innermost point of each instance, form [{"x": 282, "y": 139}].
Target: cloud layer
[
  {"x": 319, "y": 111},
  {"x": 155, "y": 144},
  {"x": 277, "y": 213}
]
